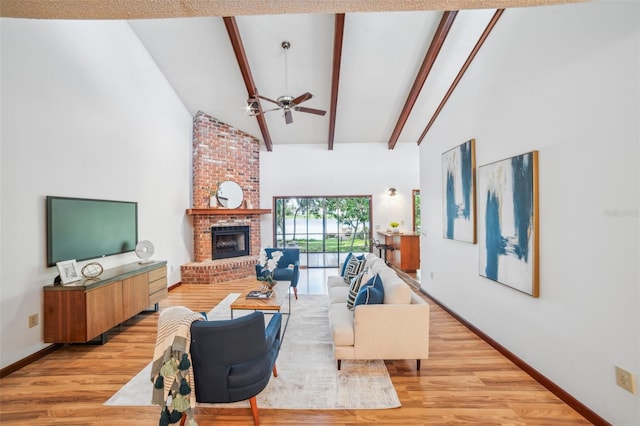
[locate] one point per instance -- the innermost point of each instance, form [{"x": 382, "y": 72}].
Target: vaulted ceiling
[{"x": 381, "y": 70}]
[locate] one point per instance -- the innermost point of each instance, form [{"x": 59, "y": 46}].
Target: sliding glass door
[{"x": 324, "y": 228}]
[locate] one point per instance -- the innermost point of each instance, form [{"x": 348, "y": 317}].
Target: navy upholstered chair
[
  {"x": 290, "y": 257},
  {"x": 233, "y": 359}
]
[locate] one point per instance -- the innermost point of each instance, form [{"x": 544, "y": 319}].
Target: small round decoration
[
  {"x": 92, "y": 270},
  {"x": 229, "y": 194}
]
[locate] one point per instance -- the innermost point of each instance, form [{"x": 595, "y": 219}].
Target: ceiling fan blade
[
  {"x": 267, "y": 99},
  {"x": 311, "y": 110},
  {"x": 288, "y": 117},
  {"x": 304, "y": 97}
]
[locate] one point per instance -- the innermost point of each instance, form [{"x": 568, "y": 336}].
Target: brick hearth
[
  {"x": 215, "y": 271},
  {"x": 222, "y": 153}
]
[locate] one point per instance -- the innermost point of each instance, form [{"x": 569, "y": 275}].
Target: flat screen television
[{"x": 81, "y": 229}]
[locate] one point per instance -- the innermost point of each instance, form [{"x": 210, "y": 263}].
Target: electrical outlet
[
  {"x": 33, "y": 320},
  {"x": 625, "y": 379}
]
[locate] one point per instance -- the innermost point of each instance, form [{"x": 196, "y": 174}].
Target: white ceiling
[
  {"x": 381, "y": 55},
  {"x": 384, "y": 46}
]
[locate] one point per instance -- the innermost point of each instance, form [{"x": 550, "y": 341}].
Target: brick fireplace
[{"x": 221, "y": 153}]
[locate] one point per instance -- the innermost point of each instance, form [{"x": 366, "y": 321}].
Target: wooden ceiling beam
[
  {"x": 338, "y": 37},
  {"x": 245, "y": 70},
  {"x": 429, "y": 59},
  {"x": 464, "y": 68}
]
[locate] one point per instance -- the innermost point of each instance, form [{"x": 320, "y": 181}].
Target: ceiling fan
[{"x": 286, "y": 103}]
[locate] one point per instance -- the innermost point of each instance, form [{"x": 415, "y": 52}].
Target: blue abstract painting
[
  {"x": 508, "y": 222},
  {"x": 458, "y": 180}
]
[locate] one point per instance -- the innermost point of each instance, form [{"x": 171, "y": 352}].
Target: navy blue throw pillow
[{"x": 371, "y": 293}]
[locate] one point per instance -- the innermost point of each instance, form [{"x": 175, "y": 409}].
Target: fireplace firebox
[{"x": 229, "y": 241}]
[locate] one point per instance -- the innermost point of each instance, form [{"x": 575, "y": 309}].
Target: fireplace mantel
[{"x": 210, "y": 211}]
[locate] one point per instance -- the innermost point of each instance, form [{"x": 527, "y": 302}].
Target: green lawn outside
[{"x": 331, "y": 245}]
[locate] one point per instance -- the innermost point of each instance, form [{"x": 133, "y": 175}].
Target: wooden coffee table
[
  {"x": 242, "y": 303},
  {"x": 272, "y": 304}
]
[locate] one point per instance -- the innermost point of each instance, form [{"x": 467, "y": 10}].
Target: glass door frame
[
  {"x": 415, "y": 211},
  {"x": 280, "y": 201}
]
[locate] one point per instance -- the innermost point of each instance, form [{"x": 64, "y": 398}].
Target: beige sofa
[{"x": 396, "y": 329}]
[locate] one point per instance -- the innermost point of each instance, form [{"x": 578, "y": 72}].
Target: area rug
[{"x": 307, "y": 374}]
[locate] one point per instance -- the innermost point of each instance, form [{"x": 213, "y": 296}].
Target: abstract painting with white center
[
  {"x": 458, "y": 181},
  {"x": 508, "y": 222}
]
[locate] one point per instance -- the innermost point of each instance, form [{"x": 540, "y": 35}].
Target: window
[
  {"x": 325, "y": 229},
  {"x": 416, "y": 210}
]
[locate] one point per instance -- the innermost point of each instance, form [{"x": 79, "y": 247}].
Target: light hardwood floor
[{"x": 465, "y": 381}]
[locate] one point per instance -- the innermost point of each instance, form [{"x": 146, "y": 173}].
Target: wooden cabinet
[
  {"x": 406, "y": 250},
  {"x": 65, "y": 317},
  {"x": 104, "y": 309},
  {"x": 81, "y": 311},
  {"x": 157, "y": 285},
  {"x": 135, "y": 294}
]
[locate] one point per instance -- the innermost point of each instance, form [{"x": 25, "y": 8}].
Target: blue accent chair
[
  {"x": 233, "y": 359},
  {"x": 290, "y": 256}
]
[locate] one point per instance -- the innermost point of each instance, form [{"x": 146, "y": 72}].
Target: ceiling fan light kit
[
  {"x": 253, "y": 106},
  {"x": 286, "y": 103}
]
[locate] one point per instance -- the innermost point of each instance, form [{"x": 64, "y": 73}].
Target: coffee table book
[{"x": 257, "y": 294}]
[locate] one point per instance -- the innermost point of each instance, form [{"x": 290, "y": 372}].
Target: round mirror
[{"x": 229, "y": 195}]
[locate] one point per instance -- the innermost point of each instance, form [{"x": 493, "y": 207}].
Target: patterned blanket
[{"x": 171, "y": 372}]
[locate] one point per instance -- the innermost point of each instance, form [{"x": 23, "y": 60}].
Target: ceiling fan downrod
[{"x": 286, "y": 45}]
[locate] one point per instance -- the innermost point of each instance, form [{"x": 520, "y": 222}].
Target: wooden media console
[{"x": 80, "y": 311}]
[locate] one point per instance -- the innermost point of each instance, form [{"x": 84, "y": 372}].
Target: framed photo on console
[{"x": 69, "y": 271}]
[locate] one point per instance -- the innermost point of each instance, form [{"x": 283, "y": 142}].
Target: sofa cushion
[
  {"x": 356, "y": 282},
  {"x": 335, "y": 281},
  {"x": 370, "y": 260},
  {"x": 378, "y": 265},
  {"x": 353, "y": 268},
  {"x": 341, "y": 321},
  {"x": 338, "y": 295},
  {"x": 396, "y": 291}
]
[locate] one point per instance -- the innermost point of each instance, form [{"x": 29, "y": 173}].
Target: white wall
[
  {"x": 349, "y": 169},
  {"x": 562, "y": 80},
  {"x": 85, "y": 113}
]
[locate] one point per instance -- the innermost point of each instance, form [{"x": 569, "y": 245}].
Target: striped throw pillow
[
  {"x": 354, "y": 287},
  {"x": 346, "y": 261},
  {"x": 354, "y": 267}
]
